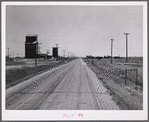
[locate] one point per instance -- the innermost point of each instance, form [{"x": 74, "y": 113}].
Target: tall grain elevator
[
  {"x": 55, "y": 52},
  {"x": 31, "y": 46}
]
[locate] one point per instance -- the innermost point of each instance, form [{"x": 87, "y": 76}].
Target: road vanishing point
[{"x": 73, "y": 86}]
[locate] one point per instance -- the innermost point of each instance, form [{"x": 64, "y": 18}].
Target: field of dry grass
[
  {"x": 131, "y": 60},
  {"x": 113, "y": 77},
  {"x": 134, "y": 75},
  {"x": 17, "y": 73}
]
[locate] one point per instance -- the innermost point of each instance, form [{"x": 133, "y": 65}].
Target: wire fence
[{"x": 130, "y": 76}]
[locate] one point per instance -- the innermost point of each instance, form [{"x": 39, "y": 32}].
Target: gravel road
[{"x": 72, "y": 86}]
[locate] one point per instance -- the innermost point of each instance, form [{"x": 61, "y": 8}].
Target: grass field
[
  {"x": 123, "y": 60},
  {"x": 118, "y": 69},
  {"x": 18, "y": 72},
  {"x": 113, "y": 77}
]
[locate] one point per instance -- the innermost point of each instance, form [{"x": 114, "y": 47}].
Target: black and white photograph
[{"x": 74, "y": 60}]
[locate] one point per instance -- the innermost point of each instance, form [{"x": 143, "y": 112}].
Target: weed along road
[{"x": 72, "y": 86}]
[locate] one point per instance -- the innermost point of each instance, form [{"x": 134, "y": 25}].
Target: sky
[{"x": 82, "y": 30}]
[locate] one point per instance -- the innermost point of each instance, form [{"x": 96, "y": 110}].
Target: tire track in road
[
  {"x": 51, "y": 101},
  {"x": 92, "y": 90},
  {"x": 79, "y": 89},
  {"x": 30, "y": 101},
  {"x": 65, "y": 96},
  {"x": 74, "y": 87},
  {"x": 104, "y": 100},
  {"x": 19, "y": 93},
  {"x": 54, "y": 83},
  {"x": 23, "y": 103},
  {"x": 24, "y": 93},
  {"x": 95, "y": 96}
]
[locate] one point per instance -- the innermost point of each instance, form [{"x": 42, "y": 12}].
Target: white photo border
[{"x": 87, "y": 114}]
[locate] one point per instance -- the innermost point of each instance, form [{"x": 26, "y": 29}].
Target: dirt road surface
[{"x": 73, "y": 86}]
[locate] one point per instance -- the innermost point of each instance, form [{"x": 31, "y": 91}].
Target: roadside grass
[
  {"x": 117, "y": 71},
  {"x": 10, "y": 63},
  {"x": 16, "y": 75},
  {"x": 123, "y": 60},
  {"x": 125, "y": 96}
]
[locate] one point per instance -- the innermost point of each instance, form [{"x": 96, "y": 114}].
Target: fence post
[
  {"x": 125, "y": 76},
  {"x": 136, "y": 78}
]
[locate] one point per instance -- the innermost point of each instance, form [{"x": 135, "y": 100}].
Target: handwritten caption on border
[{"x": 73, "y": 115}]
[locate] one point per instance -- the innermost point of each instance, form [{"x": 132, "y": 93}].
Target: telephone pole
[
  {"x": 36, "y": 53},
  {"x": 68, "y": 54},
  {"x": 126, "y": 47},
  {"x": 8, "y": 52},
  {"x": 64, "y": 52},
  {"x": 111, "y": 48}
]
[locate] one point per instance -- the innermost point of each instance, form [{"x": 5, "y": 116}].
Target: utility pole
[
  {"x": 126, "y": 47},
  {"x": 8, "y": 52},
  {"x": 68, "y": 54},
  {"x": 64, "y": 52},
  {"x": 111, "y": 48},
  {"x": 36, "y": 52}
]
